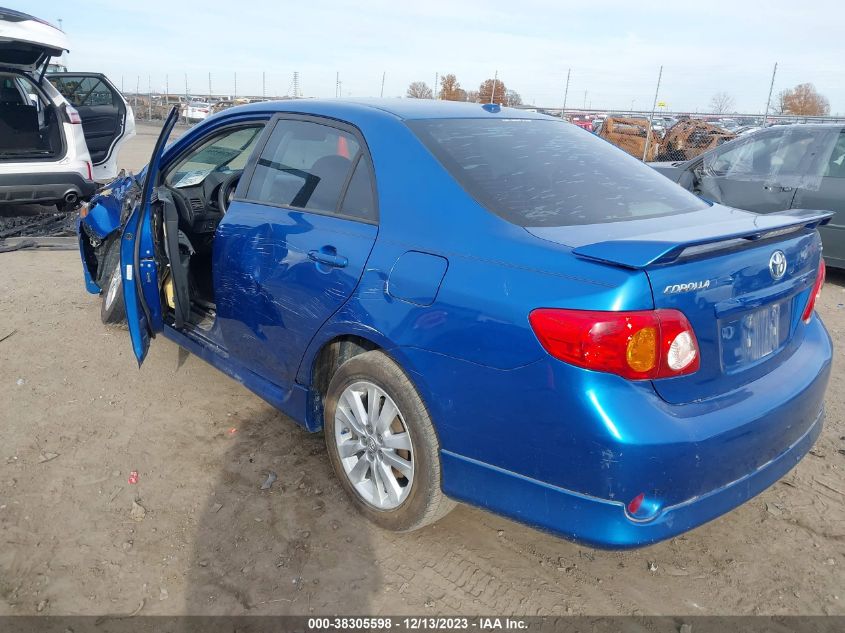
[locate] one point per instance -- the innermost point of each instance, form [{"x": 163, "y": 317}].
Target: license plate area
[{"x": 755, "y": 335}]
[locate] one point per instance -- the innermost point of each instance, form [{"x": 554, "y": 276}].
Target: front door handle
[{"x": 328, "y": 258}]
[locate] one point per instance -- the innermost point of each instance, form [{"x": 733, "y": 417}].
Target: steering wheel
[{"x": 226, "y": 191}]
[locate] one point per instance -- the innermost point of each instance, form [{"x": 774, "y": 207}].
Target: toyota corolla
[{"x": 478, "y": 304}]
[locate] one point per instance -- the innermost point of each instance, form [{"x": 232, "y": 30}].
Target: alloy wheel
[{"x": 374, "y": 445}]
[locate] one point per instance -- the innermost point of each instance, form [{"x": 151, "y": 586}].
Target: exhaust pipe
[{"x": 71, "y": 198}]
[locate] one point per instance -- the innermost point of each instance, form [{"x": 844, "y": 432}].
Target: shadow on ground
[{"x": 300, "y": 538}]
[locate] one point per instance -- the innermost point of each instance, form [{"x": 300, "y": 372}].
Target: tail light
[
  {"x": 72, "y": 115},
  {"x": 640, "y": 345},
  {"x": 815, "y": 293}
]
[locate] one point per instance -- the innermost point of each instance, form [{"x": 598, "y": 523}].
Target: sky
[{"x": 612, "y": 50}]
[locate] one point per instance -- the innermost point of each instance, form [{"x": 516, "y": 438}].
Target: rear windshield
[{"x": 539, "y": 172}]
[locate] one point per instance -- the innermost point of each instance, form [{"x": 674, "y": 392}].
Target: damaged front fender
[
  {"x": 108, "y": 209},
  {"x": 100, "y": 222}
]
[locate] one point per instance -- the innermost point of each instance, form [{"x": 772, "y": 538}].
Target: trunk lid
[
  {"x": 740, "y": 278},
  {"x": 27, "y": 42}
]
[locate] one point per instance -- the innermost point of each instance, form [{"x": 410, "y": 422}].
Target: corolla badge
[
  {"x": 777, "y": 265},
  {"x": 686, "y": 287}
]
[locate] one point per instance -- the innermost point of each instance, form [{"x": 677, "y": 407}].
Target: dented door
[{"x": 290, "y": 250}]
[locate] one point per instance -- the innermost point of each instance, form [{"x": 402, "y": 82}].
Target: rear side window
[
  {"x": 538, "y": 172},
  {"x": 306, "y": 165},
  {"x": 836, "y": 164},
  {"x": 359, "y": 201},
  {"x": 84, "y": 91}
]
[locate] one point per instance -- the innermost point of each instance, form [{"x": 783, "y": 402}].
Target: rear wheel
[
  {"x": 112, "y": 309},
  {"x": 382, "y": 444}
]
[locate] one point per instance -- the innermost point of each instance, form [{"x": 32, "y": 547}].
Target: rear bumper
[
  {"x": 44, "y": 188},
  {"x": 601, "y": 522},
  {"x": 566, "y": 449}
]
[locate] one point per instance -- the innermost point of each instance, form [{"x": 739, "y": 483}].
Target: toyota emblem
[{"x": 777, "y": 265}]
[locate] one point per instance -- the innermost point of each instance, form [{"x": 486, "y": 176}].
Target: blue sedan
[{"x": 478, "y": 304}]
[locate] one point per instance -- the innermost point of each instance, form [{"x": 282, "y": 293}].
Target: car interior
[
  {"x": 194, "y": 194},
  {"x": 29, "y": 125}
]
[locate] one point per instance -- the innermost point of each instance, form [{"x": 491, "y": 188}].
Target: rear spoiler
[{"x": 667, "y": 246}]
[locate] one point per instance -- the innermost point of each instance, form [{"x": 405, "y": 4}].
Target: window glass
[
  {"x": 84, "y": 91},
  {"x": 539, "y": 172},
  {"x": 223, "y": 153},
  {"x": 763, "y": 155},
  {"x": 10, "y": 92},
  {"x": 358, "y": 201},
  {"x": 836, "y": 165},
  {"x": 303, "y": 165}
]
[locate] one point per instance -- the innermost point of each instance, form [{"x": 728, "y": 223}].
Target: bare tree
[
  {"x": 492, "y": 90},
  {"x": 804, "y": 100},
  {"x": 472, "y": 96},
  {"x": 419, "y": 90},
  {"x": 778, "y": 105},
  {"x": 721, "y": 103},
  {"x": 513, "y": 98},
  {"x": 450, "y": 89}
]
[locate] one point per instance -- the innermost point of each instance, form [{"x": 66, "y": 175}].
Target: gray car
[{"x": 773, "y": 169}]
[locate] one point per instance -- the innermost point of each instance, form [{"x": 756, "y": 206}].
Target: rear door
[
  {"x": 760, "y": 173},
  {"x": 140, "y": 254},
  {"x": 294, "y": 242},
  {"x": 107, "y": 120}
]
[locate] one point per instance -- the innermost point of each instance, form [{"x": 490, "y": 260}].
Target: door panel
[
  {"x": 100, "y": 106},
  {"x": 279, "y": 274},
  {"x": 138, "y": 256},
  {"x": 291, "y": 254},
  {"x": 830, "y": 196}
]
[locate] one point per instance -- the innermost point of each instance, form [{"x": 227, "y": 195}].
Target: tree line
[
  {"x": 802, "y": 100},
  {"x": 489, "y": 91}
]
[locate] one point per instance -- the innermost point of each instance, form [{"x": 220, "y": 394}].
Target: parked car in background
[
  {"x": 746, "y": 129},
  {"x": 631, "y": 134},
  {"x": 223, "y": 104},
  {"x": 728, "y": 124},
  {"x": 582, "y": 120},
  {"x": 197, "y": 110},
  {"x": 775, "y": 169},
  {"x": 690, "y": 137},
  {"x": 55, "y": 143},
  {"x": 482, "y": 304}
]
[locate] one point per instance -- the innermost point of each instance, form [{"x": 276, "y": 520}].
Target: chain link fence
[{"x": 657, "y": 134}]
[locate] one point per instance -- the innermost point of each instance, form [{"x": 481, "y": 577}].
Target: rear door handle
[{"x": 328, "y": 259}]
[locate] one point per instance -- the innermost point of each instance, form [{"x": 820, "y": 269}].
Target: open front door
[
  {"x": 142, "y": 255},
  {"x": 107, "y": 119}
]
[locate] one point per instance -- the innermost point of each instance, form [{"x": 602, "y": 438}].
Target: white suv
[{"x": 59, "y": 132}]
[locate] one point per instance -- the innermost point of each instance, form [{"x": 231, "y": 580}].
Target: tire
[
  {"x": 112, "y": 308},
  {"x": 421, "y": 500}
]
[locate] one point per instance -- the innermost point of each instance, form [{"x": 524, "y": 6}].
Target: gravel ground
[{"x": 196, "y": 535}]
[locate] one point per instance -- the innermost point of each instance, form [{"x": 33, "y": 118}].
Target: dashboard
[{"x": 197, "y": 204}]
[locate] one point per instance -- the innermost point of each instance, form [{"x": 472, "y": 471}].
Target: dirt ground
[{"x": 196, "y": 535}]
